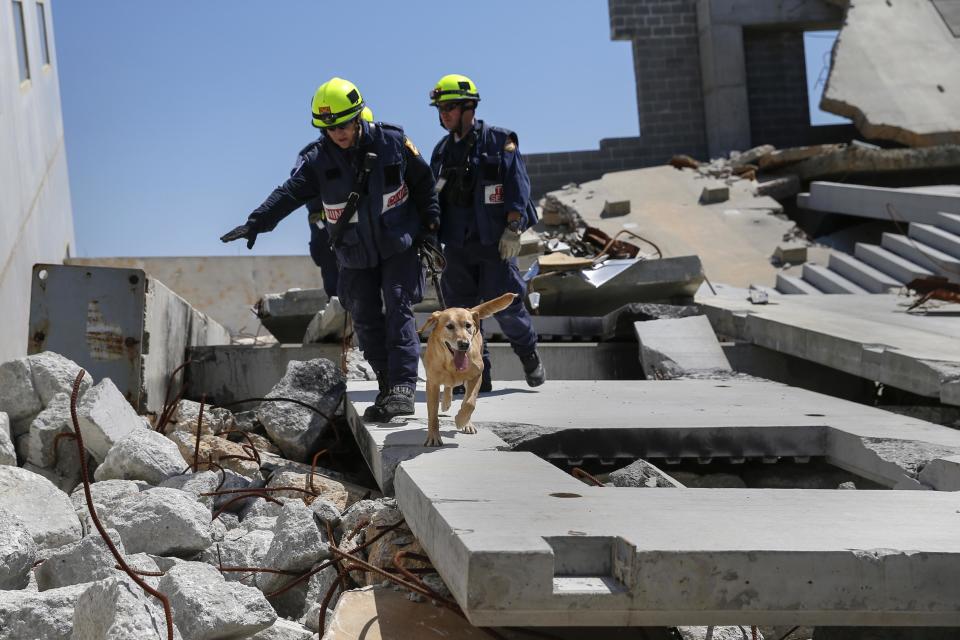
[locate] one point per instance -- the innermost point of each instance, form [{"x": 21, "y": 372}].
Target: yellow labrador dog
[{"x": 454, "y": 356}]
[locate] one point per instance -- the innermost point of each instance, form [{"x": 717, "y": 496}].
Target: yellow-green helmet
[
  {"x": 367, "y": 114},
  {"x": 335, "y": 102},
  {"x": 453, "y": 87}
]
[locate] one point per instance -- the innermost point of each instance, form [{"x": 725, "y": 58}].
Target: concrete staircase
[{"x": 926, "y": 250}]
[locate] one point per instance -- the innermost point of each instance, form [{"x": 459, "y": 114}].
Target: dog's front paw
[
  {"x": 433, "y": 441},
  {"x": 467, "y": 428}
]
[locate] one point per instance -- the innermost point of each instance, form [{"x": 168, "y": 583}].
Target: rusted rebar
[
  {"x": 85, "y": 477},
  {"x": 313, "y": 468},
  {"x": 196, "y": 447},
  {"x": 167, "y": 410},
  {"x": 580, "y": 474},
  {"x": 253, "y": 448}
]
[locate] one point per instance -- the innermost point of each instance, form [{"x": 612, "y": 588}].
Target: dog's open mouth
[{"x": 460, "y": 361}]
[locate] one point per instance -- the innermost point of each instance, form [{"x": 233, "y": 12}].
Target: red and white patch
[
  {"x": 493, "y": 194},
  {"x": 334, "y": 211},
  {"x": 395, "y": 198}
]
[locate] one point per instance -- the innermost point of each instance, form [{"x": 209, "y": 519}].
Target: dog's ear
[
  {"x": 496, "y": 305},
  {"x": 431, "y": 322}
]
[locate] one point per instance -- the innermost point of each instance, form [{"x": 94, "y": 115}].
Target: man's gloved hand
[
  {"x": 510, "y": 243},
  {"x": 243, "y": 231}
]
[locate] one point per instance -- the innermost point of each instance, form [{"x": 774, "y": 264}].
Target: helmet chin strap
[{"x": 461, "y": 125}]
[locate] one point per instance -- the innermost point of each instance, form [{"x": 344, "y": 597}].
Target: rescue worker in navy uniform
[
  {"x": 320, "y": 250},
  {"x": 485, "y": 206},
  {"x": 377, "y": 253}
]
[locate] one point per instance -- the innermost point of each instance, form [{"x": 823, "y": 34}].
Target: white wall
[{"x": 36, "y": 219}]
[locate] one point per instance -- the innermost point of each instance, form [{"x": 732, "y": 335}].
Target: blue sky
[{"x": 181, "y": 117}]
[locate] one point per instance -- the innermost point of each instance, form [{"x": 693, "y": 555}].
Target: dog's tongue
[{"x": 460, "y": 360}]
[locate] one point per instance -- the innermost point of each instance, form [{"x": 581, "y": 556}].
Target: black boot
[
  {"x": 373, "y": 411},
  {"x": 397, "y": 402},
  {"x": 533, "y": 369}
]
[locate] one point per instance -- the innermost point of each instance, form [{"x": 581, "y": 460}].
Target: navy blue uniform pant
[
  {"x": 324, "y": 257},
  {"x": 381, "y": 302},
  {"x": 476, "y": 273}
]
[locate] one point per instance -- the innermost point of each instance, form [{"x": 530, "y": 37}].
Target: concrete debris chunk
[
  {"x": 195, "y": 484},
  {"x": 233, "y": 456},
  {"x": 240, "y": 548},
  {"x": 714, "y": 192},
  {"x": 641, "y": 473},
  {"x": 328, "y": 324},
  {"x": 87, "y": 560},
  {"x": 18, "y": 552},
  {"x": 780, "y": 188},
  {"x": 54, "y": 419},
  {"x": 326, "y": 512},
  {"x": 161, "y": 521},
  {"x": 18, "y": 397},
  {"x": 106, "y": 494},
  {"x": 341, "y": 494},
  {"x": 21, "y": 491},
  {"x": 141, "y": 455},
  {"x": 295, "y": 429},
  {"x": 672, "y": 348},
  {"x": 53, "y": 374},
  {"x": 8, "y": 453},
  {"x": 297, "y": 545},
  {"x": 296, "y": 602},
  {"x": 187, "y": 414},
  {"x": 46, "y": 615},
  {"x": 751, "y": 156},
  {"x": 105, "y": 417},
  {"x": 382, "y": 552},
  {"x": 790, "y": 253},
  {"x": 264, "y": 508},
  {"x": 206, "y": 607},
  {"x": 119, "y": 609},
  {"x": 259, "y": 523},
  {"x": 284, "y": 630},
  {"x": 365, "y": 511}
]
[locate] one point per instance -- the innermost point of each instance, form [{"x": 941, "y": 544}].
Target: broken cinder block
[{"x": 714, "y": 192}]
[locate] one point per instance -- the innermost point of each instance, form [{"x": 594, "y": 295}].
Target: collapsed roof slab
[
  {"x": 728, "y": 420},
  {"x": 903, "y": 205},
  {"x": 896, "y": 72},
  {"x": 519, "y": 542},
  {"x": 867, "y": 335}
]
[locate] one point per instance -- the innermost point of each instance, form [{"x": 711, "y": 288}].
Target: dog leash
[{"x": 435, "y": 263}]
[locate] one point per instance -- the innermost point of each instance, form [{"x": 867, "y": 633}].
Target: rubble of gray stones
[{"x": 59, "y": 579}]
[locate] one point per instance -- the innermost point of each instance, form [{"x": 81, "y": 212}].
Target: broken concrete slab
[
  {"x": 850, "y": 160},
  {"x": 18, "y": 397},
  {"x": 105, "y": 418},
  {"x": 284, "y": 630},
  {"x": 205, "y": 606},
  {"x": 614, "y": 283},
  {"x": 53, "y": 374},
  {"x": 894, "y": 72},
  {"x": 297, "y": 545},
  {"x": 296, "y": 429},
  {"x": 87, "y": 560},
  {"x": 118, "y": 609},
  {"x": 578, "y": 569},
  {"x": 37, "y": 444},
  {"x": 53, "y": 526},
  {"x": 240, "y": 548},
  {"x": 120, "y": 324},
  {"x": 327, "y": 325},
  {"x": 642, "y": 474},
  {"x": 18, "y": 552},
  {"x": 865, "y": 335},
  {"x": 187, "y": 414},
  {"x": 142, "y": 455},
  {"x": 233, "y": 456},
  {"x": 674, "y": 347},
  {"x": 285, "y": 314},
  {"x": 105, "y": 494}
]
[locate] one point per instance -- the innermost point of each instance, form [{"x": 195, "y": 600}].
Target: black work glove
[{"x": 243, "y": 231}]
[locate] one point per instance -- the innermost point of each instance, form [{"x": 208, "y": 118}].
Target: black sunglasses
[
  {"x": 341, "y": 126},
  {"x": 447, "y": 107}
]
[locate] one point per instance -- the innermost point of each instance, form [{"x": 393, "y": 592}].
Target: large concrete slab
[
  {"x": 894, "y": 72},
  {"x": 121, "y": 324},
  {"x": 520, "y": 542},
  {"x": 670, "y": 348},
  {"x": 870, "y": 336},
  {"x": 729, "y": 420},
  {"x": 914, "y": 204}
]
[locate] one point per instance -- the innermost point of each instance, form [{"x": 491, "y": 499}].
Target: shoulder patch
[
  {"x": 510, "y": 147},
  {"x": 409, "y": 145}
]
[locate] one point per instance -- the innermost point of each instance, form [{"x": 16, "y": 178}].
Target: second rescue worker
[
  {"x": 379, "y": 265},
  {"x": 485, "y": 206}
]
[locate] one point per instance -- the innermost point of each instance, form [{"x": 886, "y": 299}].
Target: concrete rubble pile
[{"x": 185, "y": 503}]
